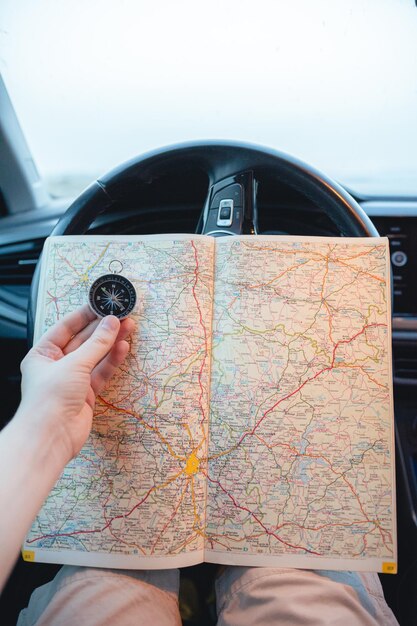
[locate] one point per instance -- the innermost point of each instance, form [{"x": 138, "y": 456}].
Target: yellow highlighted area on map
[
  {"x": 192, "y": 465},
  {"x": 389, "y": 568},
  {"x": 28, "y": 555}
]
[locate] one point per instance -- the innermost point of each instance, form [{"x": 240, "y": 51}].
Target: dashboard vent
[
  {"x": 18, "y": 261},
  {"x": 405, "y": 363},
  {"x": 406, "y": 368}
]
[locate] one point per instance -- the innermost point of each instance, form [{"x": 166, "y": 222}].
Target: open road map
[
  {"x": 252, "y": 421},
  {"x": 301, "y": 441}
]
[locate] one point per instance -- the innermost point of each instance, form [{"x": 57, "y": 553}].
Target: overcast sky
[{"x": 95, "y": 82}]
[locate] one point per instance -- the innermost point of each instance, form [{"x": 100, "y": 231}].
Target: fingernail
[{"x": 110, "y": 322}]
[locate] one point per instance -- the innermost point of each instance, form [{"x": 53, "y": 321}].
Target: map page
[
  {"x": 301, "y": 450},
  {"x": 252, "y": 422},
  {"x": 135, "y": 495}
]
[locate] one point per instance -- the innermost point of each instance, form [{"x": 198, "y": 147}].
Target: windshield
[{"x": 333, "y": 83}]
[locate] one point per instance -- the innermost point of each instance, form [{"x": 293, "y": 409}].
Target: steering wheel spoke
[{"x": 230, "y": 207}]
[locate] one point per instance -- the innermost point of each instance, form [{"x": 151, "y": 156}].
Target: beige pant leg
[
  {"x": 289, "y": 597},
  {"x": 103, "y": 597}
]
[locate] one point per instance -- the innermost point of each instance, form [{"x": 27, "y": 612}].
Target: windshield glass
[{"x": 333, "y": 83}]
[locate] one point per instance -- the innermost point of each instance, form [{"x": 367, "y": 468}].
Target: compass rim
[{"x": 121, "y": 280}]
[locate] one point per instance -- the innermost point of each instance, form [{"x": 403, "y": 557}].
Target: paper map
[{"x": 252, "y": 419}]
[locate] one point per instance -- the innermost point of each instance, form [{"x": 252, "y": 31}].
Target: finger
[
  {"x": 81, "y": 337},
  {"x": 63, "y": 331},
  {"x": 99, "y": 344},
  {"x": 102, "y": 373},
  {"x": 127, "y": 326},
  {"x": 91, "y": 398}
]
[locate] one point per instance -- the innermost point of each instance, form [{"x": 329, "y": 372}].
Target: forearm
[
  {"x": 61, "y": 377},
  {"x": 29, "y": 468}
]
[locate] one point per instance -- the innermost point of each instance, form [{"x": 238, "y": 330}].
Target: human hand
[{"x": 63, "y": 373}]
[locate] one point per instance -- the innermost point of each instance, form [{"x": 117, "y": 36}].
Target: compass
[{"x": 112, "y": 294}]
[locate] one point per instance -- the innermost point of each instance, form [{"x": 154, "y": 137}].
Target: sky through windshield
[{"x": 334, "y": 83}]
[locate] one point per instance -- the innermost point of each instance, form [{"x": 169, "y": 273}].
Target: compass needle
[{"x": 112, "y": 294}]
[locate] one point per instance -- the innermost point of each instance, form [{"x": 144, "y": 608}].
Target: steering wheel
[{"x": 232, "y": 169}]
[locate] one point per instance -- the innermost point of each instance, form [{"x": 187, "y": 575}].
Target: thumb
[{"x": 99, "y": 344}]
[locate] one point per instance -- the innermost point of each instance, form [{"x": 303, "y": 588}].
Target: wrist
[
  {"x": 43, "y": 445},
  {"x": 32, "y": 468}
]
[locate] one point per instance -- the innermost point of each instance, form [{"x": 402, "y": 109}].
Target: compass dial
[{"x": 112, "y": 294}]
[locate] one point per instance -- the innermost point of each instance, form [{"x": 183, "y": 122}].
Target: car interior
[{"x": 179, "y": 189}]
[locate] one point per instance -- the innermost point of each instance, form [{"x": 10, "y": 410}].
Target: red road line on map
[
  {"x": 324, "y": 277},
  {"x": 204, "y": 330},
  {"x": 269, "y": 282},
  {"x": 171, "y": 518},
  {"x": 65, "y": 293},
  {"x": 360, "y": 271},
  {"x": 341, "y": 475},
  {"x": 122, "y": 399},
  {"x": 252, "y": 432},
  {"x": 354, "y": 337},
  {"x": 82, "y": 456},
  {"x": 127, "y": 543},
  {"x": 162, "y": 280},
  {"x": 145, "y": 424},
  {"x": 332, "y": 366},
  {"x": 54, "y": 299},
  {"x": 116, "y": 517},
  {"x": 92, "y": 530},
  {"x": 174, "y": 362},
  {"x": 292, "y": 393},
  {"x": 256, "y": 518},
  {"x": 360, "y": 367},
  {"x": 66, "y": 261},
  {"x": 312, "y": 528},
  {"x": 330, "y": 317},
  {"x": 359, "y": 254}
]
